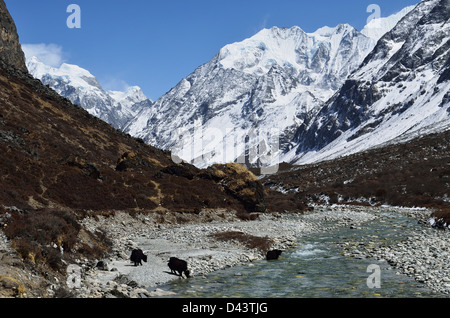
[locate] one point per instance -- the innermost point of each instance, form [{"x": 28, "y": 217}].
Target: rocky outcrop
[
  {"x": 11, "y": 53},
  {"x": 239, "y": 182}
]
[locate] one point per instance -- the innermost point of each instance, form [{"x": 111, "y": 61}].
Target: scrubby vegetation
[
  {"x": 54, "y": 153},
  {"x": 49, "y": 239},
  {"x": 412, "y": 174},
  {"x": 254, "y": 242},
  {"x": 239, "y": 183}
]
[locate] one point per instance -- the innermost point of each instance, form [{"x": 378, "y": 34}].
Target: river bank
[
  {"x": 424, "y": 255},
  {"x": 193, "y": 242}
]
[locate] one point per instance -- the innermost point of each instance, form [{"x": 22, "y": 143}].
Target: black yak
[
  {"x": 137, "y": 256},
  {"x": 273, "y": 255},
  {"x": 178, "y": 265}
]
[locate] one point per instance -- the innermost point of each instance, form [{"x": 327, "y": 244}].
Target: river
[{"x": 317, "y": 268}]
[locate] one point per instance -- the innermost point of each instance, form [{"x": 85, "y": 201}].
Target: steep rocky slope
[
  {"x": 10, "y": 49},
  {"x": 399, "y": 92}
]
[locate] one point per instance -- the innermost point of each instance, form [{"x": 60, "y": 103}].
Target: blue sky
[{"x": 154, "y": 44}]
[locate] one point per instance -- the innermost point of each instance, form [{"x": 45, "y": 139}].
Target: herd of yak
[{"x": 178, "y": 266}]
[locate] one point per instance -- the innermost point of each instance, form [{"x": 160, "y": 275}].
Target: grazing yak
[
  {"x": 178, "y": 265},
  {"x": 273, "y": 255},
  {"x": 137, "y": 256}
]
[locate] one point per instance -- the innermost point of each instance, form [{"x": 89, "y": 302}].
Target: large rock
[{"x": 239, "y": 182}]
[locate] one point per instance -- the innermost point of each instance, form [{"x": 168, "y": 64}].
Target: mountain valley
[{"x": 361, "y": 118}]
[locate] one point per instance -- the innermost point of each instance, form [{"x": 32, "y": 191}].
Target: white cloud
[
  {"x": 49, "y": 54},
  {"x": 114, "y": 84}
]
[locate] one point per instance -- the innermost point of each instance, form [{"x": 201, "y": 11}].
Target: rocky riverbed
[
  {"x": 424, "y": 255},
  {"x": 189, "y": 237}
]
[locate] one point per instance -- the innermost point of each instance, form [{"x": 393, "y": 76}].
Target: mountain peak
[
  {"x": 83, "y": 88},
  {"x": 286, "y": 47},
  {"x": 398, "y": 93},
  {"x": 327, "y": 31},
  {"x": 376, "y": 28},
  {"x": 74, "y": 70},
  {"x": 282, "y": 32},
  {"x": 133, "y": 94}
]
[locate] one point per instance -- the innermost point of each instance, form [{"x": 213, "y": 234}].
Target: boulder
[{"x": 240, "y": 183}]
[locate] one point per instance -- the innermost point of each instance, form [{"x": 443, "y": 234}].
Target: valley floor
[{"x": 164, "y": 235}]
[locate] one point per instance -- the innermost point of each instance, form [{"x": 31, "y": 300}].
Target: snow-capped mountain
[
  {"x": 83, "y": 89},
  {"x": 376, "y": 28},
  {"x": 401, "y": 91},
  {"x": 253, "y": 91}
]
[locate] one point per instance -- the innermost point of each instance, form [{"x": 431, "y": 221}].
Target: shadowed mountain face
[
  {"x": 398, "y": 93},
  {"x": 55, "y": 154}
]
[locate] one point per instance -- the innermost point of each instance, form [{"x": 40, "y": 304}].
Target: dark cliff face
[{"x": 11, "y": 53}]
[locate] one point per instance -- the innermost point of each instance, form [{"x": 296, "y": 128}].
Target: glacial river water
[{"x": 315, "y": 268}]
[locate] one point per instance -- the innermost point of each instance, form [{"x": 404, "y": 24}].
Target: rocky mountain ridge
[
  {"x": 266, "y": 86},
  {"x": 400, "y": 92},
  {"x": 83, "y": 89},
  {"x": 11, "y": 53}
]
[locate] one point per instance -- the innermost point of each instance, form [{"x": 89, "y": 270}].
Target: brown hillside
[
  {"x": 413, "y": 174},
  {"x": 54, "y": 154}
]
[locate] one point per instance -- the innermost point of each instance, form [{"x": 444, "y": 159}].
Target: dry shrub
[
  {"x": 35, "y": 235},
  {"x": 254, "y": 242},
  {"x": 246, "y": 216},
  {"x": 44, "y": 227},
  {"x": 291, "y": 202},
  {"x": 238, "y": 182},
  {"x": 442, "y": 213},
  {"x": 16, "y": 287},
  {"x": 27, "y": 250}
]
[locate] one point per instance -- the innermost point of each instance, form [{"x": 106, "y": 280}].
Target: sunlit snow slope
[
  {"x": 401, "y": 91},
  {"x": 253, "y": 92}
]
